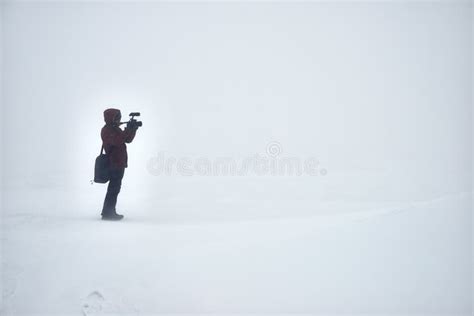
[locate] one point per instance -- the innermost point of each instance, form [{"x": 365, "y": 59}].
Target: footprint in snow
[{"x": 93, "y": 303}]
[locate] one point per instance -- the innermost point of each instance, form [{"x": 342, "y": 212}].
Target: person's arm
[
  {"x": 129, "y": 134},
  {"x": 115, "y": 136}
]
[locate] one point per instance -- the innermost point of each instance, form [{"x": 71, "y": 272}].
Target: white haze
[{"x": 379, "y": 92}]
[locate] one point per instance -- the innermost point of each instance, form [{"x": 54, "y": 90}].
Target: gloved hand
[{"x": 131, "y": 125}]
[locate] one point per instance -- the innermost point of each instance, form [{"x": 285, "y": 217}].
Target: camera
[{"x": 133, "y": 123}]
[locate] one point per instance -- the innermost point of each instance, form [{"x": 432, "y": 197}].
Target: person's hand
[{"x": 132, "y": 126}]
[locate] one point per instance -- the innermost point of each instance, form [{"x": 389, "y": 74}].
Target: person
[{"x": 113, "y": 140}]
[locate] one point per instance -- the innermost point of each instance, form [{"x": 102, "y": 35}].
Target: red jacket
[{"x": 114, "y": 139}]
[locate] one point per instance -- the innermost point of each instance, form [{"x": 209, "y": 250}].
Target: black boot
[{"x": 112, "y": 217}]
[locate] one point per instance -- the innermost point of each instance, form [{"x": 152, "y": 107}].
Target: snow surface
[{"x": 410, "y": 258}]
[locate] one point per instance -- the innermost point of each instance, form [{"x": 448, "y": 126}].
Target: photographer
[{"x": 114, "y": 139}]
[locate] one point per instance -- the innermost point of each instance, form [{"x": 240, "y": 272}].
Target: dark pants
[{"x": 113, "y": 190}]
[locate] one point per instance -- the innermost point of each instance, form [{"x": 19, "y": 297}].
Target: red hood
[{"x": 110, "y": 114}]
